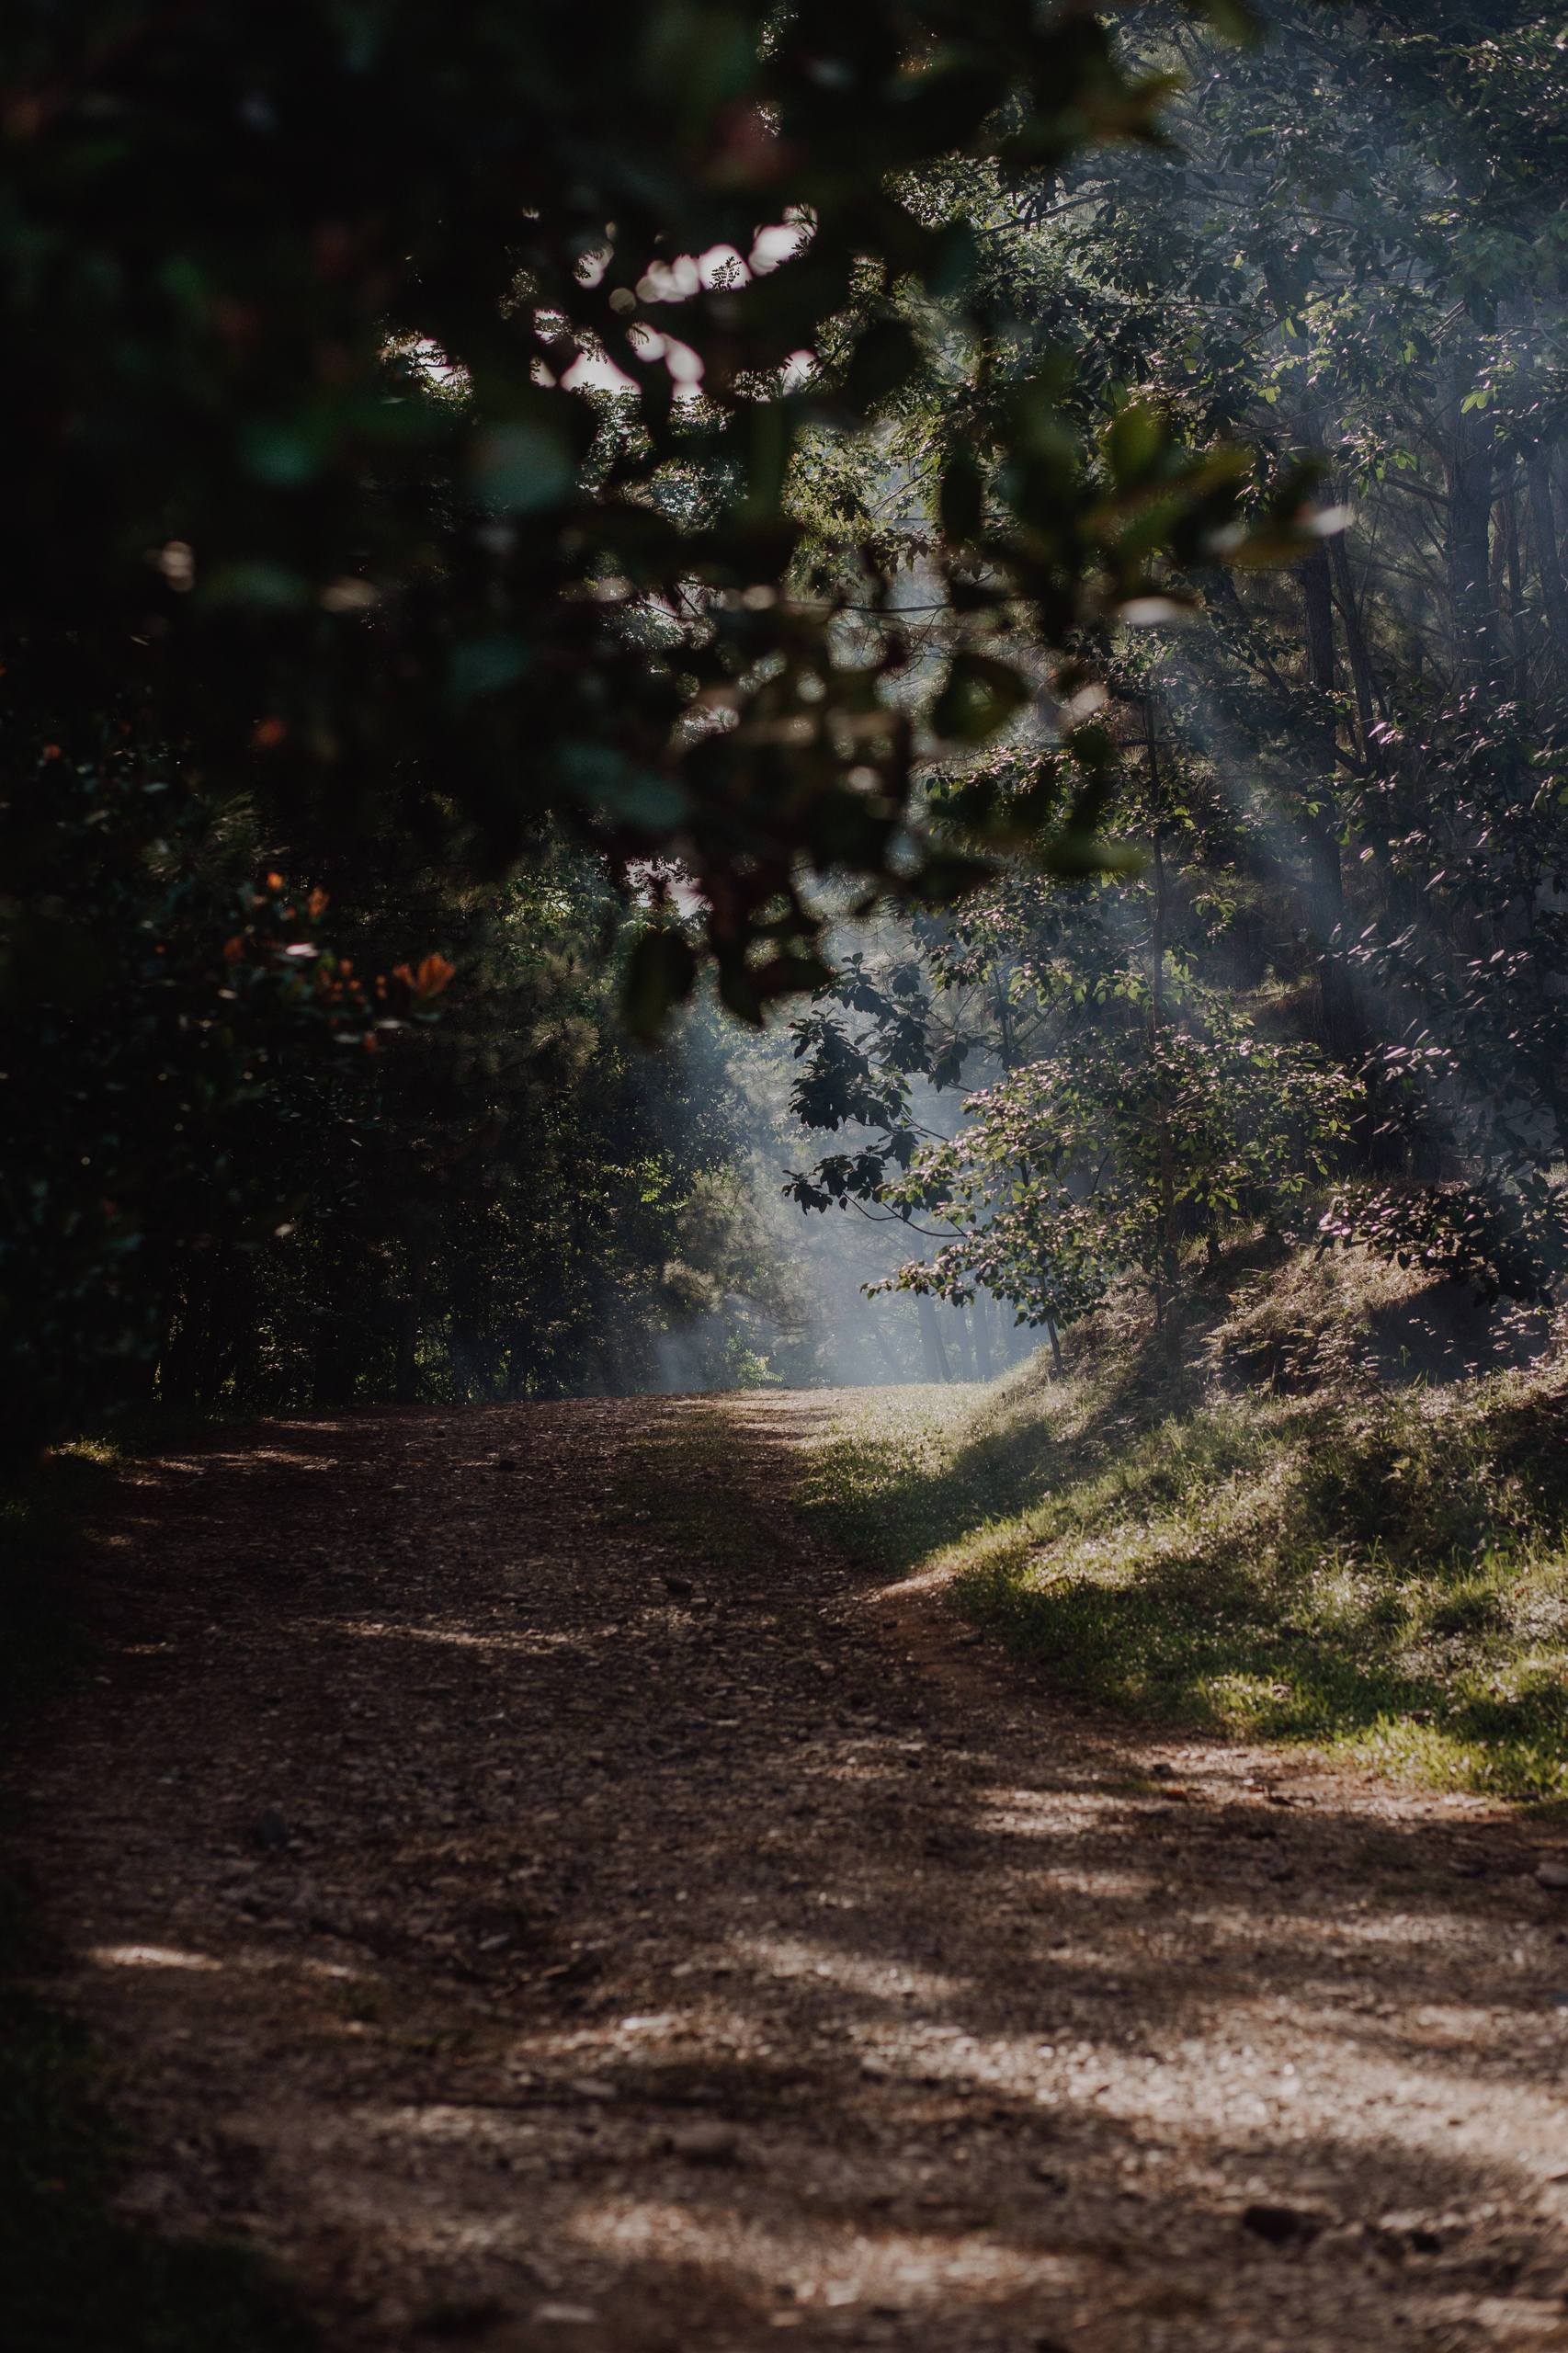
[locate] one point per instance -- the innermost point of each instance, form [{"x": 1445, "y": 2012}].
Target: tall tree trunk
[
  {"x": 1518, "y": 638},
  {"x": 885, "y": 1347},
  {"x": 332, "y": 1382},
  {"x": 1548, "y": 562},
  {"x": 1165, "y": 1279},
  {"x": 981, "y": 1320},
  {"x": 1317, "y": 594},
  {"x": 1336, "y": 1006},
  {"x": 1471, "y": 466},
  {"x": 177, "y": 1357},
  {"x": 231, "y": 1315},
  {"x": 406, "y": 1381},
  {"x": 1363, "y": 676},
  {"x": 1166, "y": 1275},
  {"x": 935, "y": 1354}
]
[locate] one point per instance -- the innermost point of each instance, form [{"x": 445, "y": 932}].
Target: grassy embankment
[
  {"x": 73, "y": 2277},
  {"x": 1287, "y": 1536}
]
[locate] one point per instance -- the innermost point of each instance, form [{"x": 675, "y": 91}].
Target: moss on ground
[{"x": 1382, "y": 1572}]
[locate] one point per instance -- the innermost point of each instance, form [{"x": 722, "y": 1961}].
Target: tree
[
  {"x": 1130, "y": 1110},
  {"x": 181, "y": 1040},
  {"x": 309, "y": 475},
  {"x": 408, "y": 455},
  {"x": 1344, "y": 244}
]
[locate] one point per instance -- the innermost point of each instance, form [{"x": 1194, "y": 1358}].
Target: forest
[{"x": 783, "y": 987}]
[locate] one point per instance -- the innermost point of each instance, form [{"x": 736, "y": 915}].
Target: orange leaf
[{"x": 434, "y": 974}]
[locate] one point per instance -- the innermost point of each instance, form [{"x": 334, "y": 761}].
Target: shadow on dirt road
[{"x": 535, "y": 1889}]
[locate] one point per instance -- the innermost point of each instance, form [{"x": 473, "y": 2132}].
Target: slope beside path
[{"x": 524, "y": 1882}]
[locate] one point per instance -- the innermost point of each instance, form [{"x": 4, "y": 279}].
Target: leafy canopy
[{"x": 409, "y": 402}]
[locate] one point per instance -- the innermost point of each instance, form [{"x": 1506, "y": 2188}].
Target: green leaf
[
  {"x": 978, "y": 697},
  {"x": 960, "y": 502},
  {"x": 885, "y": 358},
  {"x": 484, "y": 666},
  {"x": 283, "y": 453},
  {"x": 1135, "y": 441},
  {"x": 643, "y": 796},
  {"x": 1233, "y": 19},
  {"x": 525, "y": 465}
]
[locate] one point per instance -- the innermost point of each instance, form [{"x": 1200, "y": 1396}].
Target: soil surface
[{"x": 528, "y": 1884}]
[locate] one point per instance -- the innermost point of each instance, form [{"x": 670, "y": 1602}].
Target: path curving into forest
[{"x": 524, "y": 1882}]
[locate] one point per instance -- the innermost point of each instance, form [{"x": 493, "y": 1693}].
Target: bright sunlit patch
[
  {"x": 596, "y": 372},
  {"x": 459, "y": 1638},
  {"x": 827, "y": 2265},
  {"x": 684, "y": 364},
  {"x": 855, "y": 1973},
  {"x": 151, "y": 1957},
  {"x": 1036, "y": 1813},
  {"x": 780, "y": 241}
]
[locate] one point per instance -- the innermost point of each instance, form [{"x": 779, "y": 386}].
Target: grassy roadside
[
  {"x": 73, "y": 2277},
  {"x": 1381, "y": 1571}
]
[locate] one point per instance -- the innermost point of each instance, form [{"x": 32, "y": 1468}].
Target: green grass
[
  {"x": 73, "y": 2277},
  {"x": 1381, "y": 1573}
]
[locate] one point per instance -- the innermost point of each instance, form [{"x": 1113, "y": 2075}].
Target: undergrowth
[
  {"x": 42, "y": 1513},
  {"x": 1383, "y": 1571}
]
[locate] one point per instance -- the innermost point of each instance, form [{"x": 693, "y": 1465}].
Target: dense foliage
[
  {"x": 1342, "y": 783},
  {"x": 309, "y": 466},
  {"x": 500, "y": 524},
  {"x": 402, "y": 483}
]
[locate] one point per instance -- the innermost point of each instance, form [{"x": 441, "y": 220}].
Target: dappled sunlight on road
[
  {"x": 583, "y": 1896},
  {"x": 148, "y": 1957}
]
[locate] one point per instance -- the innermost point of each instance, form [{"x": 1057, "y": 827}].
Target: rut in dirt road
[{"x": 526, "y": 1883}]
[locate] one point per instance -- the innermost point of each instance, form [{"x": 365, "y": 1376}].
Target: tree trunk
[
  {"x": 231, "y": 1316},
  {"x": 406, "y": 1388},
  {"x": 1317, "y": 594},
  {"x": 331, "y": 1381},
  {"x": 177, "y": 1355},
  {"x": 982, "y": 1338},
  {"x": 1165, "y": 1277},
  {"x": 1362, "y": 672},
  {"x": 1517, "y": 639},
  {"x": 1548, "y": 563},
  {"x": 885, "y": 1347},
  {"x": 935, "y": 1353},
  {"x": 1471, "y": 468},
  {"x": 1336, "y": 1009}
]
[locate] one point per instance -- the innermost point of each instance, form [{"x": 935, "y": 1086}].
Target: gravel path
[{"x": 529, "y": 1885}]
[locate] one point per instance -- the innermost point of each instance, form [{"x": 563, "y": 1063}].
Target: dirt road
[{"x": 526, "y": 1884}]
